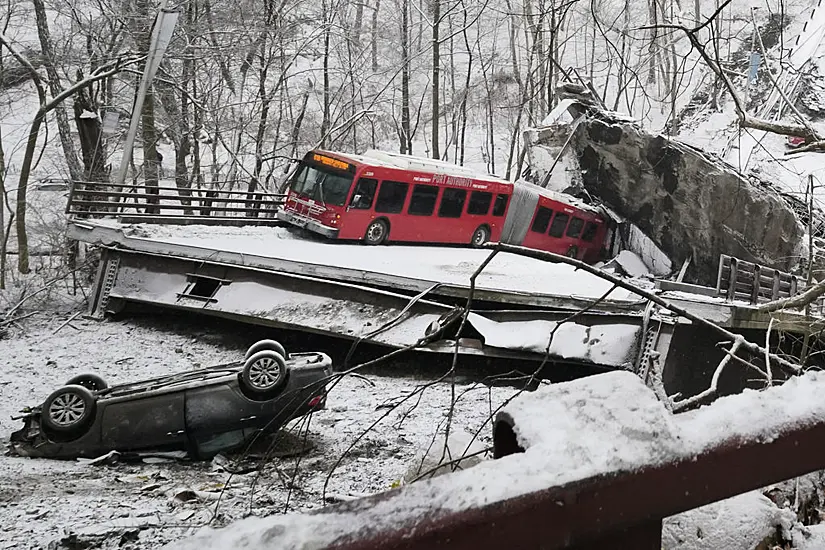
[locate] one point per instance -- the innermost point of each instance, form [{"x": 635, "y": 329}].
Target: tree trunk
[
  {"x": 436, "y": 77},
  {"x": 178, "y": 131},
  {"x": 327, "y": 30},
  {"x": 374, "y": 41},
  {"x": 22, "y": 188},
  {"x": 2, "y": 213},
  {"x": 47, "y": 47},
  {"x": 90, "y": 132},
  {"x": 147, "y": 116},
  {"x": 150, "y": 152},
  {"x": 406, "y": 134},
  {"x": 466, "y": 93}
]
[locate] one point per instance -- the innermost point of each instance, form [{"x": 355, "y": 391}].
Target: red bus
[{"x": 378, "y": 197}]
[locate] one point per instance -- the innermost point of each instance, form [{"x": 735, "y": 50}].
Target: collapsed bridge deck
[{"x": 399, "y": 296}]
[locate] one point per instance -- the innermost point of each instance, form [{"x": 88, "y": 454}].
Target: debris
[
  {"x": 444, "y": 456},
  {"x": 629, "y": 263},
  {"x": 187, "y": 495},
  {"x": 112, "y": 457},
  {"x": 66, "y": 322}
]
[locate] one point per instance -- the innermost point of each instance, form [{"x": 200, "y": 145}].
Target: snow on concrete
[
  {"x": 631, "y": 264},
  {"x": 611, "y": 344},
  {"x": 739, "y": 523},
  {"x": 797, "y": 402},
  {"x": 577, "y": 444},
  {"x": 450, "y": 265}
]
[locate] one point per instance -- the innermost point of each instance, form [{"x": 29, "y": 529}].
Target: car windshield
[{"x": 324, "y": 186}]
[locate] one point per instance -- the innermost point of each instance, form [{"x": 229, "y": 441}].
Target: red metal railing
[{"x": 617, "y": 508}]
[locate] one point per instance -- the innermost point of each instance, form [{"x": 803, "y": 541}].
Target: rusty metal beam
[{"x": 616, "y": 511}]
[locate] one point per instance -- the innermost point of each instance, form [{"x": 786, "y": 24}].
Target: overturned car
[{"x": 202, "y": 411}]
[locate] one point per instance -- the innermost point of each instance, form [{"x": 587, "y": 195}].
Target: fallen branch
[
  {"x": 767, "y": 356},
  {"x": 66, "y": 322},
  {"x": 8, "y": 322},
  {"x": 795, "y": 302},
  {"x": 679, "y": 406}
]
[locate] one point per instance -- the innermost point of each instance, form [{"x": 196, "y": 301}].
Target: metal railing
[
  {"x": 514, "y": 502},
  {"x": 741, "y": 280},
  {"x": 167, "y": 204}
]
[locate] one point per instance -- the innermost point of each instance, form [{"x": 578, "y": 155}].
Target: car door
[{"x": 147, "y": 420}]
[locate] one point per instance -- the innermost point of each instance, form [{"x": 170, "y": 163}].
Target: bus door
[{"x": 359, "y": 212}]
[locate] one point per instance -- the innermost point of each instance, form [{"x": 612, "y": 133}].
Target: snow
[
  {"x": 739, "y": 523},
  {"x": 610, "y": 344},
  {"x": 795, "y": 403},
  {"x": 631, "y": 264},
  {"x": 810, "y": 537},
  {"x": 44, "y": 501},
  {"x": 448, "y": 265},
  {"x": 569, "y": 440}
]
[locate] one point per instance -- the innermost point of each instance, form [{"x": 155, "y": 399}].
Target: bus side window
[
  {"x": 575, "y": 227},
  {"x": 590, "y": 232},
  {"x": 479, "y": 203},
  {"x": 500, "y": 205},
  {"x": 391, "y": 197},
  {"x": 542, "y": 220},
  {"x": 364, "y": 194},
  {"x": 422, "y": 201},
  {"x": 558, "y": 225},
  {"x": 452, "y": 203}
]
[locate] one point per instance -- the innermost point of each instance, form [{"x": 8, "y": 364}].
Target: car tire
[
  {"x": 68, "y": 410},
  {"x": 480, "y": 236},
  {"x": 264, "y": 374},
  {"x": 261, "y": 345},
  {"x": 377, "y": 232},
  {"x": 90, "y": 381}
]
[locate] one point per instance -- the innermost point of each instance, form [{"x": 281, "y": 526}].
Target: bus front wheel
[
  {"x": 377, "y": 232},
  {"x": 480, "y": 236}
]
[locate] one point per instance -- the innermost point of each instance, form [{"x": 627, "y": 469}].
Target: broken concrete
[{"x": 690, "y": 204}]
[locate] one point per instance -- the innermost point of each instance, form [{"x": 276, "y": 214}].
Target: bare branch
[
  {"x": 680, "y": 406},
  {"x": 556, "y": 258}
]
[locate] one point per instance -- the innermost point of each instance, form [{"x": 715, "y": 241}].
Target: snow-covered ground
[{"x": 42, "y": 501}]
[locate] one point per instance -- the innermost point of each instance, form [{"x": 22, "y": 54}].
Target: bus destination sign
[{"x": 329, "y": 161}]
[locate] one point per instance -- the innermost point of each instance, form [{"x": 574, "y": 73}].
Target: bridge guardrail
[
  {"x": 590, "y": 464},
  {"x": 168, "y": 204}
]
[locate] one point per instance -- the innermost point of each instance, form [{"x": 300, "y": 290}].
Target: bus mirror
[{"x": 356, "y": 200}]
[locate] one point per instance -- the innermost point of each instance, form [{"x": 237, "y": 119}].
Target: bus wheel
[
  {"x": 480, "y": 236},
  {"x": 572, "y": 252},
  {"x": 377, "y": 232}
]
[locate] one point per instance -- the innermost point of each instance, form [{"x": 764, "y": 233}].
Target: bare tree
[{"x": 55, "y": 87}]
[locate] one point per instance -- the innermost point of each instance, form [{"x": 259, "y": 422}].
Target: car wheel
[
  {"x": 264, "y": 373},
  {"x": 68, "y": 410},
  {"x": 377, "y": 232},
  {"x": 480, "y": 236},
  {"x": 261, "y": 345},
  {"x": 90, "y": 381}
]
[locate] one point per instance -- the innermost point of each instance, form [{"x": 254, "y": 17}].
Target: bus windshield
[{"x": 324, "y": 186}]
